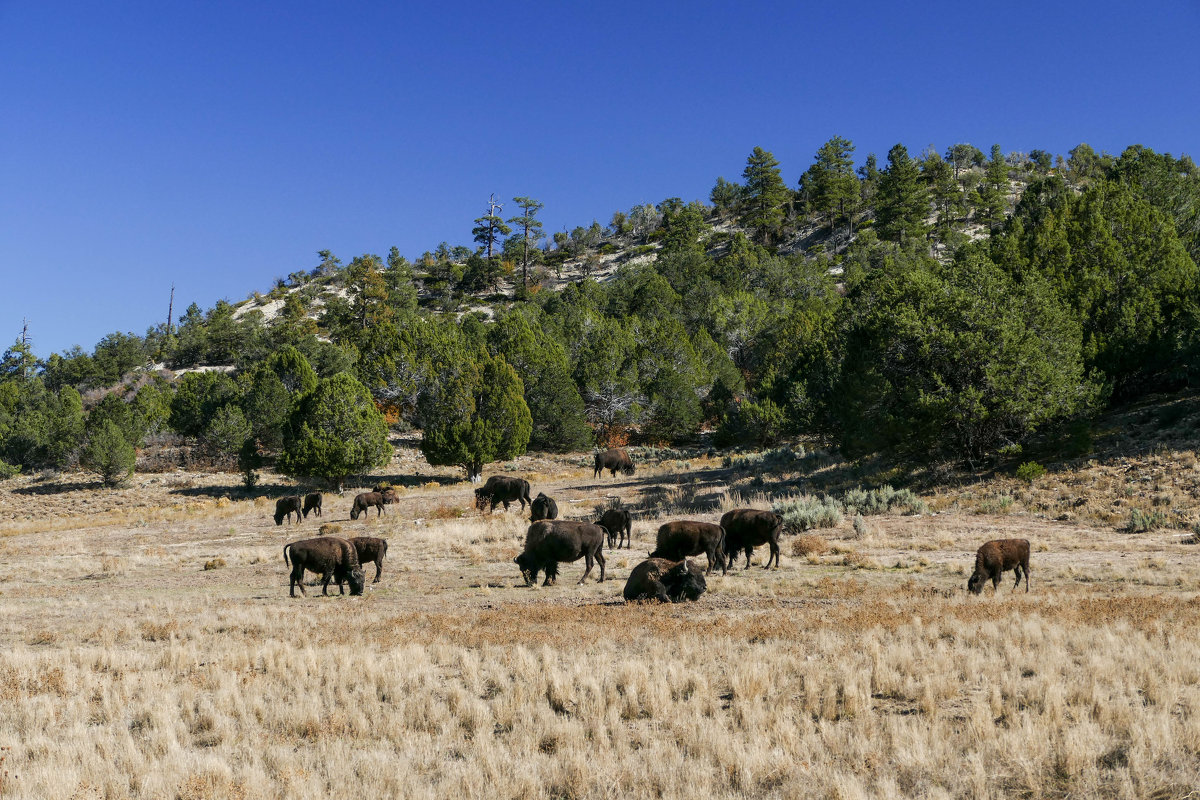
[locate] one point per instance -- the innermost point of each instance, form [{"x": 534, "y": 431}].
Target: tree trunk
[{"x": 474, "y": 471}]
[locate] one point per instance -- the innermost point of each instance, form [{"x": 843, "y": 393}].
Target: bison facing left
[
  {"x": 996, "y": 557},
  {"x": 665, "y": 581},
  {"x": 502, "y": 489},
  {"x": 551, "y": 542},
  {"x": 328, "y": 556}
]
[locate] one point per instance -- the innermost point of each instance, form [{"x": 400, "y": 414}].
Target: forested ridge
[{"x": 942, "y": 308}]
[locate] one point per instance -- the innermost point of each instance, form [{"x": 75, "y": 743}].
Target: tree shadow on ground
[{"x": 58, "y": 487}]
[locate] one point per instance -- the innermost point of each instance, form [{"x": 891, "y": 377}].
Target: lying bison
[
  {"x": 285, "y": 507},
  {"x": 996, "y": 557},
  {"x": 500, "y": 489},
  {"x": 543, "y": 507},
  {"x": 678, "y": 540},
  {"x": 613, "y": 460},
  {"x": 365, "y": 501},
  {"x": 618, "y": 522},
  {"x": 665, "y": 581},
  {"x": 747, "y": 528},
  {"x": 329, "y": 556},
  {"x": 312, "y": 502},
  {"x": 370, "y": 548},
  {"x": 551, "y": 542}
]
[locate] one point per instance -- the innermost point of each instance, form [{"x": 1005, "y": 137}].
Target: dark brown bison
[
  {"x": 543, "y": 507},
  {"x": 678, "y": 540},
  {"x": 665, "y": 581},
  {"x": 365, "y": 501},
  {"x": 285, "y": 507},
  {"x": 389, "y": 494},
  {"x": 312, "y": 502},
  {"x": 551, "y": 542},
  {"x": 996, "y": 557},
  {"x": 618, "y": 522},
  {"x": 747, "y": 528},
  {"x": 613, "y": 461},
  {"x": 501, "y": 489},
  {"x": 329, "y": 556},
  {"x": 370, "y": 548}
]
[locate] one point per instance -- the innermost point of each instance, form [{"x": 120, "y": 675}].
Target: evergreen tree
[
  {"x": 902, "y": 203},
  {"x": 531, "y": 231},
  {"x": 398, "y": 277},
  {"x": 834, "y": 187},
  {"x": 197, "y": 399},
  {"x": 110, "y": 454},
  {"x": 764, "y": 197},
  {"x": 336, "y": 431},
  {"x": 991, "y": 197},
  {"x": 726, "y": 197}
]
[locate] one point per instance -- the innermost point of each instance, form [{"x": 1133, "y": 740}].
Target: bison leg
[
  {"x": 378, "y": 569},
  {"x": 587, "y": 561},
  {"x": 297, "y": 580},
  {"x": 600, "y": 558},
  {"x": 325, "y": 578},
  {"x": 774, "y": 554},
  {"x": 551, "y": 574}
]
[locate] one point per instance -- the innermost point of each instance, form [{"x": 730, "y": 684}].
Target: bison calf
[
  {"x": 364, "y": 501},
  {"x": 746, "y": 528},
  {"x": 619, "y": 524},
  {"x": 285, "y": 507},
  {"x": 664, "y": 581},
  {"x": 678, "y": 540},
  {"x": 996, "y": 557},
  {"x": 543, "y": 507},
  {"x": 551, "y": 542},
  {"x": 312, "y": 502},
  {"x": 370, "y": 548},
  {"x": 329, "y": 556}
]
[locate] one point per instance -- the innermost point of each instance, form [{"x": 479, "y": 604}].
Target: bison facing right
[
  {"x": 363, "y": 502},
  {"x": 613, "y": 461},
  {"x": 329, "y": 556},
  {"x": 551, "y": 542},
  {"x": 678, "y": 540},
  {"x": 996, "y": 557},
  {"x": 665, "y": 581}
]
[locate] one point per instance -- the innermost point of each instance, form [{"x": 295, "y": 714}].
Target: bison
[
  {"x": 500, "y": 489},
  {"x": 388, "y": 492},
  {"x": 996, "y": 557},
  {"x": 678, "y": 540},
  {"x": 665, "y": 581},
  {"x": 543, "y": 507},
  {"x": 613, "y": 460},
  {"x": 550, "y": 542},
  {"x": 285, "y": 507},
  {"x": 328, "y": 555},
  {"x": 617, "y": 521},
  {"x": 747, "y": 528},
  {"x": 364, "y": 501},
  {"x": 370, "y": 548},
  {"x": 312, "y": 502}
]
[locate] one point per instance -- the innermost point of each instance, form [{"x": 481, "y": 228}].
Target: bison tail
[{"x": 285, "y": 555}]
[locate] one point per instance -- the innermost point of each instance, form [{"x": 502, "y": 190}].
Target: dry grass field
[{"x": 149, "y": 649}]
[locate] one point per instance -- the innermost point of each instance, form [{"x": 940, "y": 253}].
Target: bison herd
[{"x": 666, "y": 576}]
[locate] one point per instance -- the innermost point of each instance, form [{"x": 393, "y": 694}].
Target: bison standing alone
[
  {"x": 996, "y": 557},
  {"x": 619, "y": 523},
  {"x": 285, "y": 507},
  {"x": 550, "y": 542},
  {"x": 746, "y": 528},
  {"x": 665, "y": 581},
  {"x": 543, "y": 507},
  {"x": 613, "y": 460},
  {"x": 678, "y": 540},
  {"x": 501, "y": 489},
  {"x": 364, "y": 501},
  {"x": 329, "y": 556}
]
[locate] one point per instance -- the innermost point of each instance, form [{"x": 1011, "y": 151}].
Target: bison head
[
  {"x": 526, "y": 564},
  {"x": 628, "y": 470},
  {"x": 481, "y": 499},
  {"x": 278, "y": 518},
  {"x": 354, "y": 513},
  {"x": 975, "y": 583},
  {"x": 357, "y": 580},
  {"x": 684, "y": 581}
]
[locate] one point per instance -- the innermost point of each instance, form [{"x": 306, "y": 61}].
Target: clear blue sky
[{"x": 217, "y": 145}]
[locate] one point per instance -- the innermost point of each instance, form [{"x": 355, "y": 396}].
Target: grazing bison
[
  {"x": 678, "y": 540},
  {"x": 389, "y": 494},
  {"x": 364, "y": 501},
  {"x": 665, "y": 581},
  {"x": 613, "y": 460},
  {"x": 617, "y": 521},
  {"x": 747, "y": 528},
  {"x": 285, "y": 507},
  {"x": 312, "y": 502},
  {"x": 500, "y": 489},
  {"x": 328, "y": 555},
  {"x": 996, "y": 557},
  {"x": 550, "y": 542},
  {"x": 543, "y": 507},
  {"x": 370, "y": 548}
]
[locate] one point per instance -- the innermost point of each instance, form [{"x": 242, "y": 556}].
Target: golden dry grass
[{"x": 127, "y": 669}]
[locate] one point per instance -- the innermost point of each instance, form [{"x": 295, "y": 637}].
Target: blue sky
[{"x": 218, "y": 145}]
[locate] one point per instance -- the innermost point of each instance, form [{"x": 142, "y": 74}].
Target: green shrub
[
  {"x": 109, "y": 453},
  {"x": 1030, "y": 471},
  {"x": 882, "y": 500},
  {"x": 8, "y": 470},
  {"x": 1144, "y": 521},
  {"x": 806, "y": 513}
]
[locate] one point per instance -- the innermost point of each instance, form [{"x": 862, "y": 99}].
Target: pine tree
[
  {"x": 765, "y": 196},
  {"x": 531, "y": 231},
  {"x": 834, "y": 187},
  {"x": 902, "y": 204}
]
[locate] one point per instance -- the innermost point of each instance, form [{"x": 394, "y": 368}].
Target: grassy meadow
[{"x": 149, "y": 649}]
